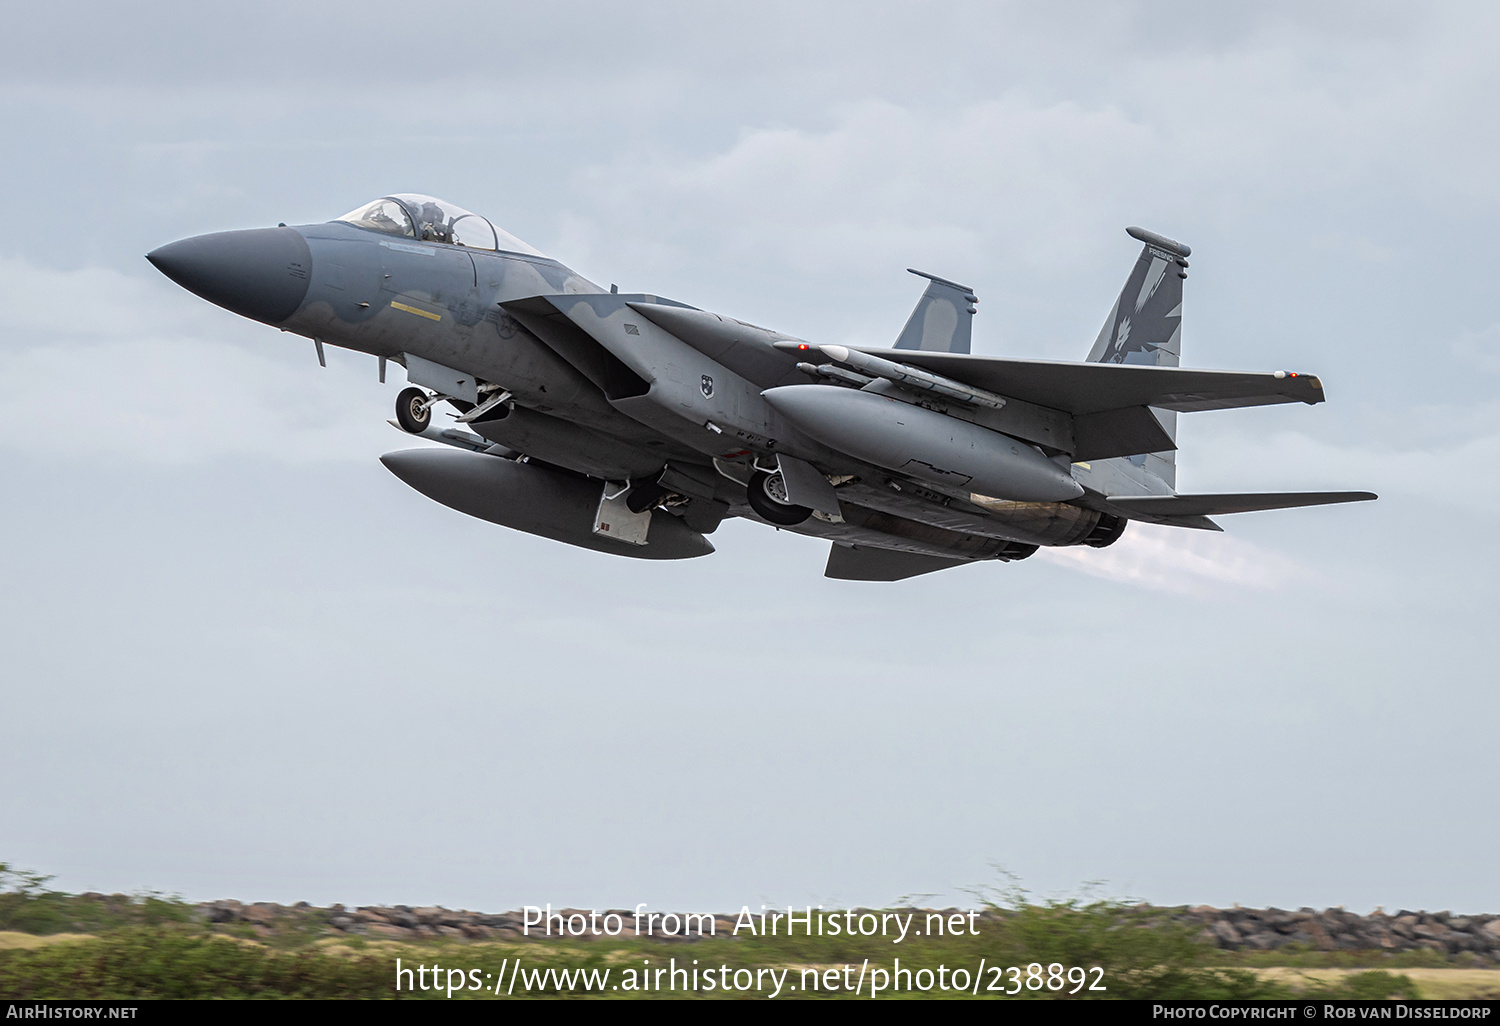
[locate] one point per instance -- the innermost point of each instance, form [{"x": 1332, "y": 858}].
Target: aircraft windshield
[
  {"x": 384, "y": 215},
  {"x": 434, "y": 220},
  {"x": 440, "y": 221}
]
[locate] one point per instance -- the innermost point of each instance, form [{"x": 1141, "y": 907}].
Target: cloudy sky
[{"x": 241, "y": 659}]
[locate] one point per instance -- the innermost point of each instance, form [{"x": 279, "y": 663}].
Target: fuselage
[{"x": 630, "y": 388}]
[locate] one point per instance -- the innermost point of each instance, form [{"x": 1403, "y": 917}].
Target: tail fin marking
[{"x": 1145, "y": 327}]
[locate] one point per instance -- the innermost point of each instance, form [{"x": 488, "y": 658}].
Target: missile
[
  {"x": 536, "y": 500},
  {"x": 900, "y": 373},
  {"x": 923, "y": 444}
]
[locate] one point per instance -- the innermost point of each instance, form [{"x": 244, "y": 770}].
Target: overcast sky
[{"x": 243, "y": 660}]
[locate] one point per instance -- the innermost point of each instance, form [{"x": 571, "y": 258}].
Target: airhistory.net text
[{"x": 812, "y": 921}]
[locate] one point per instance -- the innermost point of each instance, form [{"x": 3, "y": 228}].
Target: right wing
[{"x": 1086, "y": 388}]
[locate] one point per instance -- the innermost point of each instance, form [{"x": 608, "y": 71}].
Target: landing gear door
[
  {"x": 615, "y": 520},
  {"x": 805, "y": 486},
  {"x": 442, "y": 380}
]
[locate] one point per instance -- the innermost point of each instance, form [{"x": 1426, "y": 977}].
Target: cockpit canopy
[{"x": 427, "y": 219}]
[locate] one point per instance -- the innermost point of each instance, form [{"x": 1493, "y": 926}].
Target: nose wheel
[
  {"x": 413, "y": 410},
  {"x": 767, "y": 493}
]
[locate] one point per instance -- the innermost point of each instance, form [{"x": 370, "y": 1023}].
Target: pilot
[{"x": 434, "y": 229}]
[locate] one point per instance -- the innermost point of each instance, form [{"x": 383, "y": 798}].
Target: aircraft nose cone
[{"x": 261, "y": 273}]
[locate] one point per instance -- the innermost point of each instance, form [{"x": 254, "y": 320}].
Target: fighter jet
[{"x": 634, "y": 424}]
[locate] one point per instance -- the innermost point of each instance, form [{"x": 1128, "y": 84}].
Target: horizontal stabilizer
[
  {"x": 1196, "y": 523},
  {"x": 857, "y": 563},
  {"x": 1213, "y": 505}
]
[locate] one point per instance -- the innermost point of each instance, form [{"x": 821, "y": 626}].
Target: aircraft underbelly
[
  {"x": 878, "y": 530},
  {"x": 568, "y": 445}
]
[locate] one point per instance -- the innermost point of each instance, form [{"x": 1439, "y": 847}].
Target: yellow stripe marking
[{"x": 419, "y": 313}]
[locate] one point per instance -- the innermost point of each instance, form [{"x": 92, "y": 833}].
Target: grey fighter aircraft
[{"x": 633, "y": 424}]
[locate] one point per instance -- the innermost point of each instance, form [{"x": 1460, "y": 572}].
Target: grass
[
  {"x": 1428, "y": 983},
  {"x": 11, "y": 940},
  {"x": 60, "y": 946}
]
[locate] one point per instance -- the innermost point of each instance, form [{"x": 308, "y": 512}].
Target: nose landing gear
[{"x": 414, "y": 410}]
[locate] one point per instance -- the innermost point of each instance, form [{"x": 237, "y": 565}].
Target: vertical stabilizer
[
  {"x": 1145, "y": 326},
  {"x": 943, "y": 321}
]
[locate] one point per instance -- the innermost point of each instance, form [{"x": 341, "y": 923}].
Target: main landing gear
[{"x": 768, "y": 498}]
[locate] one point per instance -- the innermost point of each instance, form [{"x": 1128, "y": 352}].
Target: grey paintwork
[
  {"x": 861, "y": 563},
  {"x": 805, "y": 486},
  {"x": 633, "y": 424},
  {"x": 263, "y": 274},
  {"x": 943, "y": 321},
  {"x": 924, "y": 445},
  {"x": 536, "y": 499}
]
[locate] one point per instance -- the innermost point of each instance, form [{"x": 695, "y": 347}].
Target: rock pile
[
  {"x": 1251, "y": 929},
  {"x": 1235, "y": 929},
  {"x": 402, "y": 922}
]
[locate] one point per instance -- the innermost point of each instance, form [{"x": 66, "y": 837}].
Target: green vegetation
[
  {"x": 150, "y": 946},
  {"x": 1378, "y": 985},
  {"x": 162, "y": 962},
  {"x": 1302, "y": 957},
  {"x": 28, "y": 905}
]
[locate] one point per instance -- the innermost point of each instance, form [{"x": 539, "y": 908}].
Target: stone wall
[
  {"x": 1238, "y": 929},
  {"x": 1252, "y": 929}
]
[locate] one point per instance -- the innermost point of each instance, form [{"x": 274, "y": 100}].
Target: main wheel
[
  {"x": 768, "y": 498},
  {"x": 412, "y": 411}
]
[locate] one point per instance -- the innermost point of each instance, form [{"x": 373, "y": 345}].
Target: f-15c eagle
[{"x": 632, "y": 424}]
